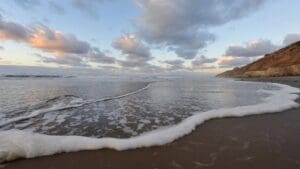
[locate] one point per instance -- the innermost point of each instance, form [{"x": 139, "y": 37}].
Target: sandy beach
[{"x": 269, "y": 141}]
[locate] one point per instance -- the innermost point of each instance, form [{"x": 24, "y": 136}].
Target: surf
[{"x": 16, "y": 144}]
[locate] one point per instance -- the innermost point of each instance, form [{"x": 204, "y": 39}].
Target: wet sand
[{"x": 269, "y": 141}]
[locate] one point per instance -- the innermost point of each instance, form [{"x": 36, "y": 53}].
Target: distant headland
[{"x": 284, "y": 62}]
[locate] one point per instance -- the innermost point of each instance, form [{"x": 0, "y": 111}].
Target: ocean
[{"x": 46, "y": 115}]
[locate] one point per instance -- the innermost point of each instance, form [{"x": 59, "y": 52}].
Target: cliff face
[{"x": 284, "y": 62}]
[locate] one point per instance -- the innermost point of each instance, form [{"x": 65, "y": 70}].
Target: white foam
[
  {"x": 21, "y": 144},
  {"x": 35, "y": 113}
]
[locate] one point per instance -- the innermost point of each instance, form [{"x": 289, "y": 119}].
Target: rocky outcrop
[{"x": 284, "y": 62}]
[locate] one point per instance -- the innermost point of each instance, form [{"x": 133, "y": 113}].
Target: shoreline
[{"x": 211, "y": 145}]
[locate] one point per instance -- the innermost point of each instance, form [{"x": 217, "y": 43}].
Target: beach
[
  {"x": 268, "y": 141},
  {"x": 149, "y": 84}
]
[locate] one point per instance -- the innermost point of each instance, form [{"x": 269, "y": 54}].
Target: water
[
  {"x": 114, "y": 106},
  {"x": 43, "y": 116}
]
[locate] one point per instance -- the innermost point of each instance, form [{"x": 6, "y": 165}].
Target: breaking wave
[{"x": 21, "y": 144}]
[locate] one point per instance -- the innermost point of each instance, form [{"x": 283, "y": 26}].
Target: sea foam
[{"x": 16, "y": 144}]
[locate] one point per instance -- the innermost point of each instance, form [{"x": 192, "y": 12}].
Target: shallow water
[{"x": 116, "y": 107}]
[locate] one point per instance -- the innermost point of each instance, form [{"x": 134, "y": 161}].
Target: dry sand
[{"x": 270, "y": 141}]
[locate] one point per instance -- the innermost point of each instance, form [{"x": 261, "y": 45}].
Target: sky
[{"x": 145, "y": 35}]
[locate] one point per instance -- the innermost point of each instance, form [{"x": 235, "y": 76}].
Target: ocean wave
[
  {"x": 16, "y": 144},
  {"x": 34, "y": 76},
  {"x": 62, "y": 103}
]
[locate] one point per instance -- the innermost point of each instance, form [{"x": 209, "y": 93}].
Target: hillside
[{"x": 284, "y": 62}]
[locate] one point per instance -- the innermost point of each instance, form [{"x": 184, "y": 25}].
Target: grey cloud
[
  {"x": 235, "y": 62},
  {"x": 65, "y": 48},
  {"x": 133, "y": 62},
  {"x": 199, "y": 62},
  {"x": 241, "y": 55},
  {"x": 175, "y": 64},
  {"x": 182, "y": 25},
  {"x": 41, "y": 37},
  {"x": 88, "y": 6},
  {"x": 53, "y": 41},
  {"x": 30, "y": 4},
  {"x": 56, "y": 7},
  {"x": 131, "y": 45},
  {"x": 2, "y": 11},
  {"x": 205, "y": 67},
  {"x": 69, "y": 60},
  {"x": 27, "y": 4},
  {"x": 95, "y": 55},
  {"x": 291, "y": 38},
  {"x": 148, "y": 68},
  {"x": 1, "y": 48},
  {"x": 137, "y": 54},
  {"x": 252, "y": 49},
  {"x": 13, "y": 31},
  {"x": 128, "y": 63},
  {"x": 140, "y": 66}
]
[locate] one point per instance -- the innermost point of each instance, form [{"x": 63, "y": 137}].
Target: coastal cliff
[{"x": 284, "y": 62}]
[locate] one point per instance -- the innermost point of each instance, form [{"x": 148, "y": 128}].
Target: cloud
[
  {"x": 95, "y": 55},
  {"x": 175, "y": 64},
  {"x": 291, "y": 38},
  {"x": 65, "y": 49},
  {"x": 237, "y": 55},
  {"x": 252, "y": 48},
  {"x": 182, "y": 25},
  {"x": 27, "y": 4},
  {"x": 30, "y": 4},
  {"x": 88, "y": 6},
  {"x": 259, "y": 47},
  {"x": 137, "y": 54},
  {"x": 229, "y": 61},
  {"x": 201, "y": 61},
  {"x": 56, "y": 7},
  {"x": 133, "y": 62},
  {"x": 56, "y": 42},
  {"x": 2, "y": 48},
  {"x": 12, "y": 31},
  {"x": 69, "y": 60},
  {"x": 131, "y": 45},
  {"x": 148, "y": 68},
  {"x": 41, "y": 37},
  {"x": 2, "y": 10}
]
